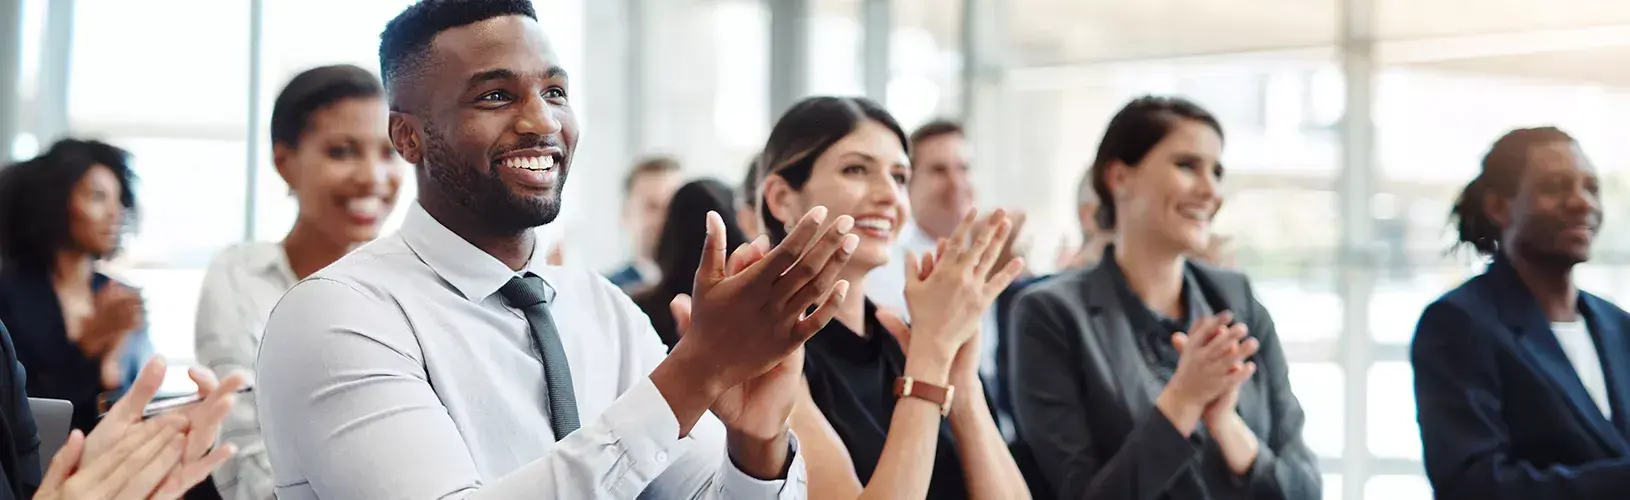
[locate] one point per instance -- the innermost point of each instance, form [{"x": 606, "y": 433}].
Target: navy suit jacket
[{"x": 1502, "y": 411}]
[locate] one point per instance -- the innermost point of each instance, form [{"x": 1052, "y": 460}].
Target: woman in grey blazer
[{"x": 1115, "y": 401}]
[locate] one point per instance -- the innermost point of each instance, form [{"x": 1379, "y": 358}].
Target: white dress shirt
[
  {"x": 240, "y": 288},
  {"x": 1581, "y": 350},
  {"x": 399, "y": 372}
]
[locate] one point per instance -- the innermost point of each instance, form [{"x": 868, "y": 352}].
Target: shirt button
[{"x": 662, "y": 457}]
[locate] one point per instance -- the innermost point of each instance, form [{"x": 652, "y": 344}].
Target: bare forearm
[
  {"x": 986, "y": 462},
  {"x": 907, "y": 462},
  {"x": 1238, "y": 444}
]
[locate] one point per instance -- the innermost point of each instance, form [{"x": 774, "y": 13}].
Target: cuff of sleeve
[
  {"x": 643, "y": 427},
  {"x": 1161, "y": 442},
  {"x": 738, "y": 484}
]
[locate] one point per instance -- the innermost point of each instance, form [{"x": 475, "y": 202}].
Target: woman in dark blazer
[
  {"x": 1114, "y": 401},
  {"x": 1522, "y": 381},
  {"x": 79, "y": 332}
]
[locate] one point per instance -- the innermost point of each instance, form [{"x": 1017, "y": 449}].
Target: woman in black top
[
  {"x": 78, "y": 332},
  {"x": 679, "y": 250},
  {"x": 1109, "y": 396},
  {"x": 859, "y": 440}
]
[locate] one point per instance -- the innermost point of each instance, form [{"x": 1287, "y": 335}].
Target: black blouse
[{"x": 851, "y": 377}]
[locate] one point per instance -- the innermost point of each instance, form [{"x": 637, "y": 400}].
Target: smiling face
[
  {"x": 862, "y": 175},
  {"x": 343, "y": 171},
  {"x": 1554, "y": 215},
  {"x": 1169, "y": 198},
  {"x": 493, "y": 131}
]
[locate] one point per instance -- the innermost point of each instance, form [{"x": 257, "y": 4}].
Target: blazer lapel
[
  {"x": 1113, "y": 330},
  {"x": 1521, "y": 313},
  {"x": 1613, "y": 350}
]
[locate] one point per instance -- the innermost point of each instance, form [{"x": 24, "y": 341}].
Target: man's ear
[
  {"x": 1498, "y": 209},
  {"x": 407, "y": 137}
]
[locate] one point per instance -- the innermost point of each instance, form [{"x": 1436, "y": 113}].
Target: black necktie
[{"x": 531, "y": 295}]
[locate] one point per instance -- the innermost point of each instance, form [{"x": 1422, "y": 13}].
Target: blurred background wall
[{"x": 1351, "y": 126}]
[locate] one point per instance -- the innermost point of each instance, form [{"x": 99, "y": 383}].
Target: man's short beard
[{"x": 486, "y": 197}]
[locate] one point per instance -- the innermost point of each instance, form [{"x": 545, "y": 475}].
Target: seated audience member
[
  {"x": 863, "y": 436},
  {"x": 1522, "y": 380},
  {"x": 646, "y": 192},
  {"x": 1113, "y": 401},
  {"x": 330, "y": 144},
  {"x": 78, "y": 332},
  {"x": 747, "y": 202},
  {"x": 126, "y": 456},
  {"x": 679, "y": 251},
  {"x": 449, "y": 360}
]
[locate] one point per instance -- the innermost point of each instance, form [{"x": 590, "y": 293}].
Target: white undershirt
[{"x": 1581, "y": 351}]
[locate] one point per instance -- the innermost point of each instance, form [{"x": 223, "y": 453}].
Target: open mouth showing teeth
[
  {"x": 535, "y": 163},
  {"x": 879, "y": 225}
]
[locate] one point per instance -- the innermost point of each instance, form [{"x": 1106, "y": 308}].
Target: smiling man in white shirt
[{"x": 450, "y": 361}]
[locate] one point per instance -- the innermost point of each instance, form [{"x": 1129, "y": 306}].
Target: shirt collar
[
  {"x": 914, "y": 238},
  {"x": 475, "y": 273}
]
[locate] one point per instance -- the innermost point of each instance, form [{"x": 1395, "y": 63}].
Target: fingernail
[
  {"x": 845, "y": 223},
  {"x": 850, "y": 241},
  {"x": 820, "y": 214},
  {"x": 762, "y": 242},
  {"x": 842, "y": 289}
]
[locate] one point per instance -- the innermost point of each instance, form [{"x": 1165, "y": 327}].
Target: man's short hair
[
  {"x": 405, "y": 44},
  {"x": 934, "y": 129},
  {"x": 649, "y": 166}
]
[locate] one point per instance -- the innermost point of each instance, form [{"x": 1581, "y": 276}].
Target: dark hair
[
  {"x": 747, "y": 192},
  {"x": 1132, "y": 133},
  {"x": 649, "y": 166},
  {"x": 934, "y": 129},
  {"x": 35, "y": 194},
  {"x": 679, "y": 249},
  {"x": 313, "y": 90},
  {"x": 804, "y": 133},
  {"x": 404, "y": 45},
  {"x": 1503, "y": 169}
]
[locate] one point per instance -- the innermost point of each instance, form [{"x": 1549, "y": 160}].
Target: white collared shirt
[
  {"x": 399, "y": 372},
  {"x": 240, "y": 288}
]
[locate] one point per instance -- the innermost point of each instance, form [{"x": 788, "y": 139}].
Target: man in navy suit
[{"x": 1521, "y": 379}]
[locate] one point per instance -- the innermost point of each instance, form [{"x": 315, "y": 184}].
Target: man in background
[{"x": 646, "y": 193}]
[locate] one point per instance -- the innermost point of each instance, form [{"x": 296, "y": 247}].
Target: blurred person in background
[
  {"x": 78, "y": 332},
  {"x": 646, "y": 192},
  {"x": 331, "y": 146},
  {"x": 747, "y": 202},
  {"x": 679, "y": 250},
  {"x": 1113, "y": 400},
  {"x": 863, "y": 434},
  {"x": 1522, "y": 380}
]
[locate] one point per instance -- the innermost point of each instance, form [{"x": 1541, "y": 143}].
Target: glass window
[
  {"x": 126, "y": 72},
  {"x": 1398, "y": 488},
  {"x": 710, "y": 108},
  {"x": 1053, "y": 32},
  {"x": 175, "y": 239},
  {"x": 1332, "y": 486},
  {"x": 1319, "y": 388},
  {"x": 1393, "y": 431},
  {"x": 925, "y": 60},
  {"x": 836, "y": 36}
]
